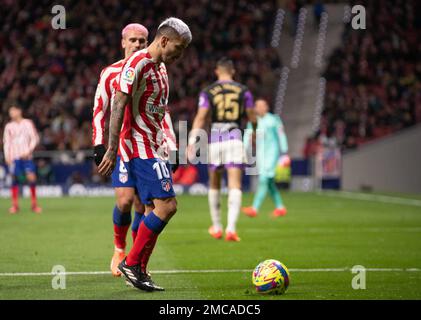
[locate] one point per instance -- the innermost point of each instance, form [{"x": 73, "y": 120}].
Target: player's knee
[
  {"x": 124, "y": 203},
  {"x": 171, "y": 207},
  {"x": 214, "y": 183},
  {"x": 31, "y": 178},
  {"x": 139, "y": 207}
]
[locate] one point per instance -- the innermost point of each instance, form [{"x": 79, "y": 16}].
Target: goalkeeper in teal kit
[{"x": 272, "y": 148}]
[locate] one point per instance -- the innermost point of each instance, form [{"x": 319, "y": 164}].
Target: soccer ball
[{"x": 271, "y": 276}]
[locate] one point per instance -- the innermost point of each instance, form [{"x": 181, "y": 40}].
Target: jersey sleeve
[
  {"x": 248, "y": 100},
  {"x": 283, "y": 142},
  {"x": 6, "y": 142},
  {"x": 101, "y": 106},
  {"x": 203, "y": 100},
  {"x": 131, "y": 73},
  {"x": 34, "y": 140}
]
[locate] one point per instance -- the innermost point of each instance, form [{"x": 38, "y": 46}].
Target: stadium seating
[
  {"x": 373, "y": 79},
  {"x": 53, "y": 74}
]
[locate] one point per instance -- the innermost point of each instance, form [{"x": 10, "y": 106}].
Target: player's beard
[{"x": 170, "y": 59}]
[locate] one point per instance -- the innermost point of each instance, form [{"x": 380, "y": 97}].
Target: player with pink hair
[{"x": 134, "y": 38}]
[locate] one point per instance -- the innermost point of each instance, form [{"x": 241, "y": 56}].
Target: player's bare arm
[
  {"x": 199, "y": 122},
  {"x": 251, "y": 115},
  {"x": 116, "y": 120},
  {"x": 201, "y": 118}
]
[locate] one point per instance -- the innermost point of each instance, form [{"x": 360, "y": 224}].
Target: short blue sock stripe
[
  {"x": 153, "y": 223},
  {"x": 121, "y": 218},
  {"x": 138, "y": 218}
]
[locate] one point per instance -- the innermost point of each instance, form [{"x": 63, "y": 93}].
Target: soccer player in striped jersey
[
  {"x": 134, "y": 38},
  {"x": 20, "y": 139},
  {"x": 141, "y": 100},
  {"x": 225, "y": 102}
]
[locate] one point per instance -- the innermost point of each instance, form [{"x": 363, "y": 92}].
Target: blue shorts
[
  {"x": 22, "y": 167},
  {"x": 121, "y": 177},
  {"x": 153, "y": 179}
]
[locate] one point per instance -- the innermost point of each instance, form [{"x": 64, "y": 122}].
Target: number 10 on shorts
[{"x": 161, "y": 170}]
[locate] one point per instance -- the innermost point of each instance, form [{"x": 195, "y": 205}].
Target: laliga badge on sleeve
[{"x": 128, "y": 75}]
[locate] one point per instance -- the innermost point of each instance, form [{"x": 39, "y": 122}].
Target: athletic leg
[
  {"x": 234, "y": 202},
  {"x": 214, "y": 199}
]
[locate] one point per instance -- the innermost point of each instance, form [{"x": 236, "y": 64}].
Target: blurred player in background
[
  {"x": 272, "y": 148},
  {"x": 134, "y": 38},
  {"x": 225, "y": 102},
  {"x": 20, "y": 139},
  {"x": 141, "y": 100}
]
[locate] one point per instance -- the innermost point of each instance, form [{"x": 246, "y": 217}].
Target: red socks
[
  {"x": 143, "y": 245},
  {"x": 33, "y": 189},
  {"x": 134, "y": 234},
  {"x": 120, "y": 233},
  {"x": 147, "y": 253},
  {"x": 15, "y": 195}
]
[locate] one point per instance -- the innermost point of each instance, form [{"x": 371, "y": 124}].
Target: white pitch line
[
  {"x": 309, "y": 230},
  {"x": 34, "y": 274},
  {"x": 372, "y": 197}
]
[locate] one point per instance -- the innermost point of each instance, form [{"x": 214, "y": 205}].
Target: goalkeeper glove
[{"x": 285, "y": 161}]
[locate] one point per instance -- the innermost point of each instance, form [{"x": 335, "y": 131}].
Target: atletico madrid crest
[
  {"x": 166, "y": 185},
  {"x": 123, "y": 177}
]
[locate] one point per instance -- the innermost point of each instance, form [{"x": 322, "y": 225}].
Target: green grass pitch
[{"x": 320, "y": 231}]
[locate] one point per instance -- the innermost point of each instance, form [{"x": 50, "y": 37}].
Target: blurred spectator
[
  {"x": 311, "y": 147},
  {"x": 75, "y": 178},
  {"x": 45, "y": 174},
  {"x": 53, "y": 73},
  {"x": 373, "y": 78}
]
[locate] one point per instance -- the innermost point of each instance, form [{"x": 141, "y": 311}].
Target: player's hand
[
  {"x": 108, "y": 162},
  {"x": 99, "y": 152}
]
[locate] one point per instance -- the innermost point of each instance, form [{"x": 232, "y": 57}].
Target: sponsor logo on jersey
[{"x": 155, "y": 108}]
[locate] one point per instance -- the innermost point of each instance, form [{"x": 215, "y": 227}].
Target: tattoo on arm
[{"x": 116, "y": 119}]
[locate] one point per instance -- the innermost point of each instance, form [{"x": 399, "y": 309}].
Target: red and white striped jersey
[
  {"x": 19, "y": 139},
  {"x": 147, "y": 83},
  {"x": 103, "y": 101},
  {"x": 104, "y": 96}
]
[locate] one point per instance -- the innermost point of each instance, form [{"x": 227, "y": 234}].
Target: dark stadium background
[
  {"x": 350, "y": 100},
  {"x": 372, "y": 77}
]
